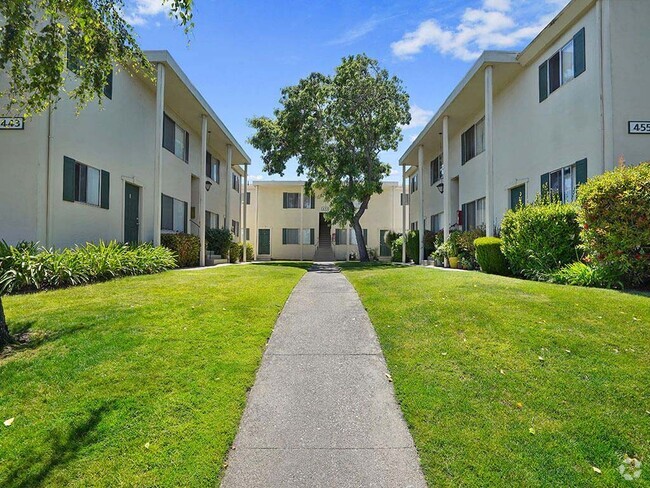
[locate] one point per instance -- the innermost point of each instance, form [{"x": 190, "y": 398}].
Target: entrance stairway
[
  {"x": 211, "y": 259},
  {"x": 324, "y": 251}
]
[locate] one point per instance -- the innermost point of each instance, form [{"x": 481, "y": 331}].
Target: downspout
[{"x": 48, "y": 177}]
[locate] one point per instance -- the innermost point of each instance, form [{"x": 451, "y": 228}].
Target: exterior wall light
[
  {"x": 208, "y": 185},
  {"x": 441, "y": 187}
]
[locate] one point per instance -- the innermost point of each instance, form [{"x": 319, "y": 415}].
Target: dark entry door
[
  {"x": 517, "y": 196},
  {"x": 384, "y": 250},
  {"x": 131, "y": 213},
  {"x": 264, "y": 241}
]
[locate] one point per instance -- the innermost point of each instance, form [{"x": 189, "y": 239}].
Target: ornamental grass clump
[{"x": 29, "y": 267}]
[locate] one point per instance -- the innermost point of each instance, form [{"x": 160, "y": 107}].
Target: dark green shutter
[
  {"x": 208, "y": 165},
  {"x": 284, "y": 203},
  {"x": 284, "y": 235},
  {"x": 579, "y": 58},
  {"x": 187, "y": 147},
  {"x": 108, "y": 87},
  {"x": 68, "y": 179},
  {"x": 581, "y": 172},
  {"x": 169, "y": 127},
  {"x": 312, "y": 237},
  {"x": 105, "y": 188},
  {"x": 545, "y": 184},
  {"x": 543, "y": 81}
]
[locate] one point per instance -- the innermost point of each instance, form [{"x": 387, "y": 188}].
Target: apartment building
[
  {"x": 285, "y": 223},
  {"x": 564, "y": 109},
  {"x": 155, "y": 159}
]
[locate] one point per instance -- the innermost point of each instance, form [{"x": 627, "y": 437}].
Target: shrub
[
  {"x": 430, "y": 240},
  {"x": 218, "y": 241},
  {"x": 396, "y": 249},
  {"x": 249, "y": 252},
  {"x": 489, "y": 256},
  {"x": 27, "y": 266},
  {"x": 614, "y": 215},
  {"x": 236, "y": 250},
  {"x": 413, "y": 246},
  {"x": 465, "y": 246},
  {"x": 540, "y": 238},
  {"x": 581, "y": 274},
  {"x": 186, "y": 246}
]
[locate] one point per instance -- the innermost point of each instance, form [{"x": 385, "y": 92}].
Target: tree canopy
[
  {"x": 40, "y": 38},
  {"x": 336, "y": 126}
]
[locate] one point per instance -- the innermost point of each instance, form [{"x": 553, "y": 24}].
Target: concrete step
[
  {"x": 215, "y": 261},
  {"x": 324, "y": 254}
]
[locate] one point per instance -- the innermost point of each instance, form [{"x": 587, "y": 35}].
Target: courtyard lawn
[
  {"x": 505, "y": 382},
  {"x": 135, "y": 382}
]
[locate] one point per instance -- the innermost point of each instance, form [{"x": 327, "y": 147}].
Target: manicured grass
[
  {"x": 506, "y": 382},
  {"x": 138, "y": 381}
]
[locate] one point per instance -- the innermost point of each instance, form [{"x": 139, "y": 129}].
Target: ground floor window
[
  {"x": 173, "y": 214},
  {"x": 248, "y": 233},
  {"x": 414, "y": 226},
  {"x": 562, "y": 183},
  {"x": 341, "y": 237},
  {"x": 353, "y": 236},
  {"x": 436, "y": 222},
  {"x": 85, "y": 184},
  {"x": 290, "y": 236},
  {"x": 474, "y": 214},
  {"x": 211, "y": 220},
  {"x": 234, "y": 228},
  {"x": 308, "y": 237}
]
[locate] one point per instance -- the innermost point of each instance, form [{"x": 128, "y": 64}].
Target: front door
[
  {"x": 517, "y": 196},
  {"x": 131, "y": 214},
  {"x": 384, "y": 250},
  {"x": 264, "y": 242}
]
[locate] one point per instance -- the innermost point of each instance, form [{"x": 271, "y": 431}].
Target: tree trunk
[
  {"x": 361, "y": 242},
  {"x": 5, "y": 337}
]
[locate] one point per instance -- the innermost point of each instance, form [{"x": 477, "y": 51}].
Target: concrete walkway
[{"x": 322, "y": 412}]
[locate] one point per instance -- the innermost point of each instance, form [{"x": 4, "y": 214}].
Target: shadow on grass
[
  {"x": 64, "y": 448},
  {"x": 27, "y": 337},
  {"x": 285, "y": 264},
  {"x": 357, "y": 266}
]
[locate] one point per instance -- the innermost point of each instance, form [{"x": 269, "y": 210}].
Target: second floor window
[
  {"x": 235, "y": 182},
  {"x": 290, "y": 200},
  {"x": 212, "y": 167},
  {"x": 436, "y": 170},
  {"x": 472, "y": 141},
  {"x": 176, "y": 139},
  {"x": 413, "y": 184},
  {"x": 566, "y": 64},
  {"x": 309, "y": 201}
]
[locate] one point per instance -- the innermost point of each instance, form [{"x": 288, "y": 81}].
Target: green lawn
[
  {"x": 506, "y": 382},
  {"x": 138, "y": 381}
]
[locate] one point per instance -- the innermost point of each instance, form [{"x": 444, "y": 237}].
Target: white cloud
[
  {"x": 360, "y": 30},
  {"x": 256, "y": 177},
  {"x": 493, "y": 26},
  {"x": 137, "y": 12},
  {"x": 419, "y": 117}
]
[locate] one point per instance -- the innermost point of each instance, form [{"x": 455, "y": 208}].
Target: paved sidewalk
[{"x": 322, "y": 412}]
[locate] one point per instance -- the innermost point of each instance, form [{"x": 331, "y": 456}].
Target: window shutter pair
[{"x": 70, "y": 183}]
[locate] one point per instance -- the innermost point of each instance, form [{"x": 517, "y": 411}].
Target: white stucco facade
[
  {"x": 267, "y": 213},
  {"x": 578, "y": 130},
  {"x": 122, "y": 139}
]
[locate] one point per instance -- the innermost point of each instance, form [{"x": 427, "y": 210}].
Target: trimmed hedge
[
  {"x": 540, "y": 238},
  {"x": 186, "y": 246},
  {"x": 489, "y": 256},
  {"x": 615, "y": 218},
  {"x": 28, "y": 266}
]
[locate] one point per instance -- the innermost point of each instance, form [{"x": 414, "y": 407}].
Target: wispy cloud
[
  {"x": 259, "y": 177},
  {"x": 139, "y": 12},
  {"x": 361, "y": 30},
  {"x": 419, "y": 117},
  {"x": 496, "y": 25}
]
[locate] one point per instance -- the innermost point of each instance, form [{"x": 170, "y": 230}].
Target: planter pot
[{"x": 453, "y": 262}]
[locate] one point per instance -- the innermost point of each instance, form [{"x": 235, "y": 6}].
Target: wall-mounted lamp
[
  {"x": 441, "y": 187},
  {"x": 208, "y": 185}
]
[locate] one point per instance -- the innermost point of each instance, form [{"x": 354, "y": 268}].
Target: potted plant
[{"x": 452, "y": 253}]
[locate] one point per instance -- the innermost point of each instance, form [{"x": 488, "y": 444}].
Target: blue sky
[{"x": 241, "y": 53}]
